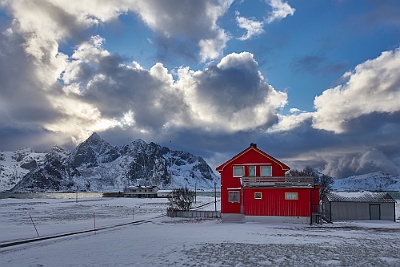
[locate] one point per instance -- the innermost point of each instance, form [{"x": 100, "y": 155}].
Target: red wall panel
[{"x": 273, "y": 202}]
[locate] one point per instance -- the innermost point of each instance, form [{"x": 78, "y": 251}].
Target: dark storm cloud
[
  {"x": 183, "y": 25},
  {"x": 125, "y": 89},
  {"x": 374, "y": 123},
  {"x": 23, "y": 97},
  {"x": 116, "y": 88},
  {"x": 179, "y": 18},
  {"x": 40, "y": 139},
  {"x": 232, "y": 88},
  {"x": 64, "y": 21}
]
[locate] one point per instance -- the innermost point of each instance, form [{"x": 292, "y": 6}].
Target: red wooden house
[{"x": 254, "y": 188}]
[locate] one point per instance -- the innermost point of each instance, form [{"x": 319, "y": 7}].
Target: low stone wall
[{"x": 194, "y": 214}]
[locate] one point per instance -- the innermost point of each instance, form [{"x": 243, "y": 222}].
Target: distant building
[
  {"x": 254, "y": 188},
  {"x": 344, "y": 206},
  {"x": 141, "y": 191}
]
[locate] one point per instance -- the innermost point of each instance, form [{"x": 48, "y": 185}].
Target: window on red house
[
  {"x": 265, "y": 170},
  {"x": 252, "y": 170},
  {"x": 291, "y": 196},
  {"x": 238, "y": 171},
  {"x": 233, "y": 196},
  {"x": 258, "y": 195}
]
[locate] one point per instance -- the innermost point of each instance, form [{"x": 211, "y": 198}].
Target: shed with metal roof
[{"x": 344, "y": 206}]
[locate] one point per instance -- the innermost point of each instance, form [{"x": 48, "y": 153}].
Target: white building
[{"x": 141, "y": 191}]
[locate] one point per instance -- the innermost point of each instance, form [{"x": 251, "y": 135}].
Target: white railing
[{"x": 278, "y": 181}]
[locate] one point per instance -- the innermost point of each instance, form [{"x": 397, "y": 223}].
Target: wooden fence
[{"x": 194, "y": 214}]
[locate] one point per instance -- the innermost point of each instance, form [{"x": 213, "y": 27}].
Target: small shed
[{"x": 344, "y": 206}]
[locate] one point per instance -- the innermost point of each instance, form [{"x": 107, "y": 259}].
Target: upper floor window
[
  {"x": 258, "y": 195},
  {"x": 265, "y": 170},
  {"x": 252, "y": 170},
  {"x": 238, "y": 171}
]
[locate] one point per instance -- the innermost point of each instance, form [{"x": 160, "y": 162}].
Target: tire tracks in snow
[{"x": 37, "y": 239}]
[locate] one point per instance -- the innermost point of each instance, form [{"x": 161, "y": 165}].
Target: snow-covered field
[{"x": 164, "y": 241}]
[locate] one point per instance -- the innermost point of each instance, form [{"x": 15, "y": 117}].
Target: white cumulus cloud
[
  {"x": 280, "y": 10},
  {"x": 373, "y": 87},
  {"x": 252, "y": 27}
]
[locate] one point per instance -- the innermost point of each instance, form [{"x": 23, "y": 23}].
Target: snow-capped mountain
[
  {"x": 15, "y": 164},
  {"x": 93, "y": 152},
  {"x": 95, "y": 165},
  {"x": 376, "y": 181}
]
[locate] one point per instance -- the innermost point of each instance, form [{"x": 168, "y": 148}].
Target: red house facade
[{"x": 254, "y": 188}]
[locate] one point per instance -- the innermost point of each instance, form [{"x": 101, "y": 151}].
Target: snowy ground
[{"x": 167, "y": 241}]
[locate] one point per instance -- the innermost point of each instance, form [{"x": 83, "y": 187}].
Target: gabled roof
[
  {"x": 247, "y": 150},
  {"x": 359, "y": 197}
]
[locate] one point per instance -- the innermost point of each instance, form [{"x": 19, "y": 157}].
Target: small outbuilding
[
  {"x": 141, "y": 191},
  {"x": 344, "y": 206}
]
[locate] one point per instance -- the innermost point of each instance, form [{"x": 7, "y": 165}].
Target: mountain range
[
  {"x": 96, "y": 165},
  {"x": 376, "y": 181}
]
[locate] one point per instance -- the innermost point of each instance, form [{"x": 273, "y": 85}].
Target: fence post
[
  {"x": 34, "y": 225},
  {"x": 94, "y": 222}
]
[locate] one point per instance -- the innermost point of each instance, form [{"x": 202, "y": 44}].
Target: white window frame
[
  {"x": 291, "y": 196},
  {"x": 265, "y": 167},
  {"x": 232, "y": 199},
  {"x": 257, "y": 195},
  {"x": 255, "y": 171},
  {"x": 237, "y": 167}
]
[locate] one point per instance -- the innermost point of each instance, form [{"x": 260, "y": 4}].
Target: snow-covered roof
[{"x": 359, "y": 197}]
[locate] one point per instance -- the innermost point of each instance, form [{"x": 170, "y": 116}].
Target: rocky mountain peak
[
  {"x": 94, "y": 138},
  {"x": 93, "y": 151}
]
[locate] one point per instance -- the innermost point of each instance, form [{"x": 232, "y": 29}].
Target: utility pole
[
  {"x": 170, "y": 172},
  {"x": 195, "y": 192},
  {"x": 215, "y": 196},
  {"x": 170, "y": 169}
]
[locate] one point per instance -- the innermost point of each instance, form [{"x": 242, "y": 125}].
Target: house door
[{"x": 374, "y": 211}]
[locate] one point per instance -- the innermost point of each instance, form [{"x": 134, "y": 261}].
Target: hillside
[
  {"x": 16, "y": 164},
  {"x": 376, "y": 181}
]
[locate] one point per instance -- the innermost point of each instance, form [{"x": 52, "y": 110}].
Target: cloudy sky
[{"x": 311, "y": 82}]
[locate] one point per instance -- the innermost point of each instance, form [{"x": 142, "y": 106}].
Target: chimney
[{"x": 253, "y": 145}]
